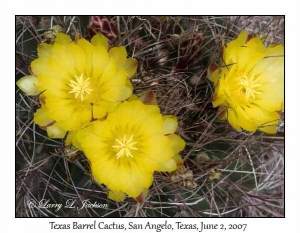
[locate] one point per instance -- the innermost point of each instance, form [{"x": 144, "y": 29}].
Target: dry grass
[{"x": 225, "y": 174}]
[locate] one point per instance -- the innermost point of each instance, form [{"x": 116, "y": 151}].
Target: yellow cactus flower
[
  {"x": 249, "y": 84},
  {"x": 78, "y": 81},
  {"x": 127, "y": 147}
]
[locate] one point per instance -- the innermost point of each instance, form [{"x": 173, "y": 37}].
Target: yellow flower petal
[
  {"x": 72, "y": 139},
  {"x": 101, "y": 129},
  {"x": 178, "y": 159},
  {"x": 130, "y": 66},
  {"x": 245, "y": 121},
  {"x": 228, "y": 56},
  {"x": 101, "y": 62},
  {"x": 28, "y": 84},
  {"x": 60, "y": 53},
  {"x": 133, "y": 179},
  {"x": 271, "y": 101},
  {"x": 152, "y": 109},
  {"x": 233, "y": 120},
  {"x": 171, "y": 165},
  {"x": 239, "y": 41},
  {"x": 168, "y": 166},
  {"x": 151, "y": 125},
  {"x": 219, "y": 97},
  {"x": 129, "y": 84},
  {"x": 128, "y": 110},
  {"x": 133, "y": 97},
  {"x": 41, "y": 117},
  {"x": 170, "y": 124},
  {"x": 265, "y": 120},
  {"x": 69, "y": 139},
  {"x": 73, "y": 125},
  {"x": 269, "y": 129},
  {"x": 77, "y": 57},
  {"x": 109, "y": 72},
  {"x": 58, "y": 85},
  {"x": 271, "y": 70},
  {"x": 55, "y": 131},
  {"x": 94, "y": 143},
  {"x": 91, "y": 144},
  {"x": 85, "y": 115},
  {"x": 44, "y": 50},
  {"x": 271, "y": 73},
  {"x": 148, "y": 163},
  {"x": 62, "y": 110},
  {"x": 88, "y": 49},
  {"x": 119, "y": 54},
  {"x": 118, "y": 93},
  {"x": 275, "y": 50},
  {"x": 38, "y": 65},
  {"x": 50, "y": 67},
  {"x": 162, "y": 151},
  {"x": 101, "y": 108},
  {"x": 119, "y": 79},
  {"x": 177, "y": 143},
  {"x": 74, "y": 119},
  {"x": 99, "y": 111},
  {"x": 250, "y": 54},
  {"x": 116, "y": 196},
  {"x": 99, "y": 39},
  {"x": 63, "y": 39}
]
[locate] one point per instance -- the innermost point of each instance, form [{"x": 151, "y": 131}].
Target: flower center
[
  {"x": 125, "y": 146},
  {"x": 80, "y": 87},
  {"x": 249, "y": 86}
]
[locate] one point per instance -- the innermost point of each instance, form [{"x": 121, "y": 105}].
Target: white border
[{"x": 137, "y": 7}]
